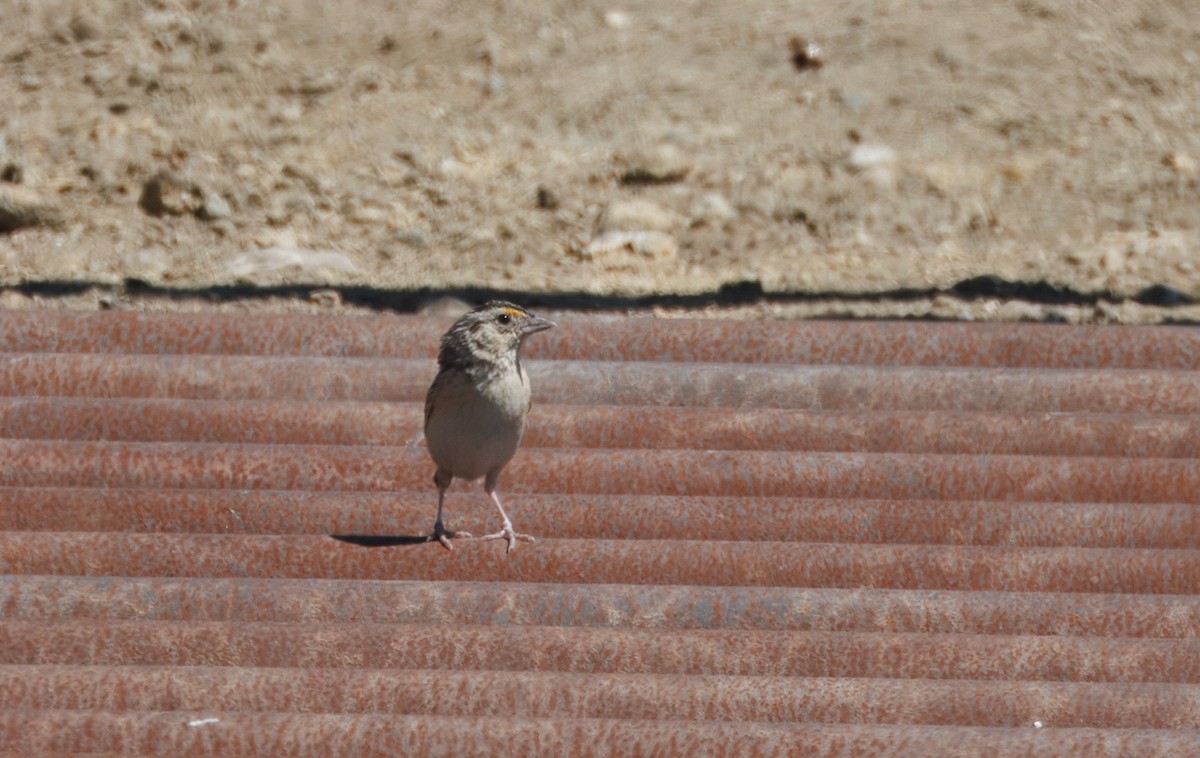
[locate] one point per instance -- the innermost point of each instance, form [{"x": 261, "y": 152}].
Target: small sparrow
[{"x": 476, "y": 407}]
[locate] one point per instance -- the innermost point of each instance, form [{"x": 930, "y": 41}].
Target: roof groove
[{"x": 754, "y": 538}]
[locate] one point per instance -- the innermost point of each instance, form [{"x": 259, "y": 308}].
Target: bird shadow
[{"x": 382, "y": 540}]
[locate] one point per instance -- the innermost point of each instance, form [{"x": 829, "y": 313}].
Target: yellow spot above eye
[{"x": 513, "y": 312}]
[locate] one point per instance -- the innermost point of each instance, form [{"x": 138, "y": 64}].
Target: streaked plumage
[{"x": 475, "y": 409}]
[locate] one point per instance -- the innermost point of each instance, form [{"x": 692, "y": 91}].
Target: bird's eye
[{"x": 503, "y": 318}]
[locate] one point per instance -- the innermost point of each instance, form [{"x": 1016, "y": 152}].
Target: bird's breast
[{"x": 476, "y": 427}]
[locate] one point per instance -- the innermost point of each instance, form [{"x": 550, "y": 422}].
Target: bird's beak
[{"x": 536, "y": 324}]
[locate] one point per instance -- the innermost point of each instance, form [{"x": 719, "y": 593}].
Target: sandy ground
[{"x": 861, "y": 158}]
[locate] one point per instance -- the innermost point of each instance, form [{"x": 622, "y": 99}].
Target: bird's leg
[
  {"x": 506, "y": 531},
  {"x": 440, "y": 533}
]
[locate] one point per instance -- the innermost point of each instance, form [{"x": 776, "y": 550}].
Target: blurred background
[{"x": 876, "y": 153}]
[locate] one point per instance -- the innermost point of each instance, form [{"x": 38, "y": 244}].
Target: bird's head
[{"x": 491, "y": 332}]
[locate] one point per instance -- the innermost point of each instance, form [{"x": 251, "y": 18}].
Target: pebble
[
  {"x": 805, "y": 55},
  {"x": 22, "y": 207},
  {"x": 637, "y": 215},
  {"x": 287, "y": 262},
  {"x": 149, "y": 264},
  {"x": 616, "y": 19},
  {"x": 657, "y": 164},
  {"x": 368, "y": 214},
  {"x": 621, "y": 250},
  {"x": 713, "y": 209},
  {"x": 867, "y": 156},
  {"x": 1020, "y": 168},
  {"x": 547, "y": 199},
  {"x": 213, "y": 208},
  {"x": 168, "y": 194},
  {"x": 413, "y": 238},
  {"x": 325, "y": 298},
  {"x": 875, "y": 162},
  {"x": 1180, "y": 162},
  {"x": 143, "y": 74},
  {"x": 85, "y": 25}
]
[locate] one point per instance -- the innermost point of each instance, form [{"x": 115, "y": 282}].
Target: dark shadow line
[
  {"x": 734, "y": 294},
  {"x": 382, "y": 540}
]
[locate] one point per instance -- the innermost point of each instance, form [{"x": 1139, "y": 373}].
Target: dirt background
[{"x": 857, "y": 158}]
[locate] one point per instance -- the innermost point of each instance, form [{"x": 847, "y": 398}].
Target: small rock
[
  {"x": 21, "y": 207},
  {"x": 659, "y": 164},
  {"x": 1020, "y": 168},
  {"x": 806, "y": 55},
  {"x": 12, "y": 299},
  {"x": 547, "y": 200},
  {"x": 143, "y": 74},
  {"x": 617, "y": 19},
  {"x": 94, "y": 48},
  {"x": 325, "y": 298},
  {"x": 637, "y": 215},
  {"x": 168, "y": 194},
  {"x": 368, "y": 215},
  {"x": 311, "y": 181},
  {"x": 287, "y": 262},
  {"x": 148, "y": 264},
  {"x": 854, "y": 101},
  {"x": 223, "y": 228},
  {"x": 713, "y": 208},
  {"x": 85, "y": 25},
  {"x": 100, "y": 79},
  {"x": 876, "y": 163},
  {"x": 407, "y": 152},
  {"x": 492, "y": 84},
  {"x": 444, "y": 307},
  {"x": 414, "y": 238},
  {"x": 1180, "y": 162},
  {"x": 315, "y": 85},
  {"x": 1106, "y": 311},
  {"x": 213, "y": 208},
  {"x": 166, "y": 21},
  {"x": 620, "y": 250},
  {"x": 284, "y": 114},
  {"x": 278, "y": 211},
  {"x": 867, "y": 156}
]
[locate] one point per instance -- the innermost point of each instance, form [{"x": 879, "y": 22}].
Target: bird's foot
[
  {"x": 507, "y": 534},
  {"x": 442, "y": 535}
]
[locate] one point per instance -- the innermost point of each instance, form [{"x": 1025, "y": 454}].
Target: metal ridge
[
  {"x": 45, "y": 598},
  {"x": 376, "y": 423},
  {"x": 754, "y": 473},
  {"x": 607, "y": 338},
  {"x": 272, "y": 733},
  {"x": 896, "y": 388},
  {"x": 740, "y": 652},
  {"x": 614, "y": 517},
  {"x": 754, "y": 538},
  {"x": 556, "y": 694}
]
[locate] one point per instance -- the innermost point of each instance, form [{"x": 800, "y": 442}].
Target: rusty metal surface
[
  {"x": 581, "y": 516},
  {"x": 812, "y": 387},
  {"x": 608, "y": 338},
  {"x": 378, "y": 423},
  {"x": 753, "y": 539},
  {"x": 270, "y": 733}
]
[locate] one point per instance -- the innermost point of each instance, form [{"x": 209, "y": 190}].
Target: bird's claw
[
  {"x": 442, "y": 535},
  {"x": 510, "y": 536}
]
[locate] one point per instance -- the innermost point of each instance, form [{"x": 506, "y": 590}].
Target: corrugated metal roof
[{"x": 754, "y": 538}]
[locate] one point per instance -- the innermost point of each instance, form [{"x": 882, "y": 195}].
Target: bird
[{"x": 476, "y": 407}]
